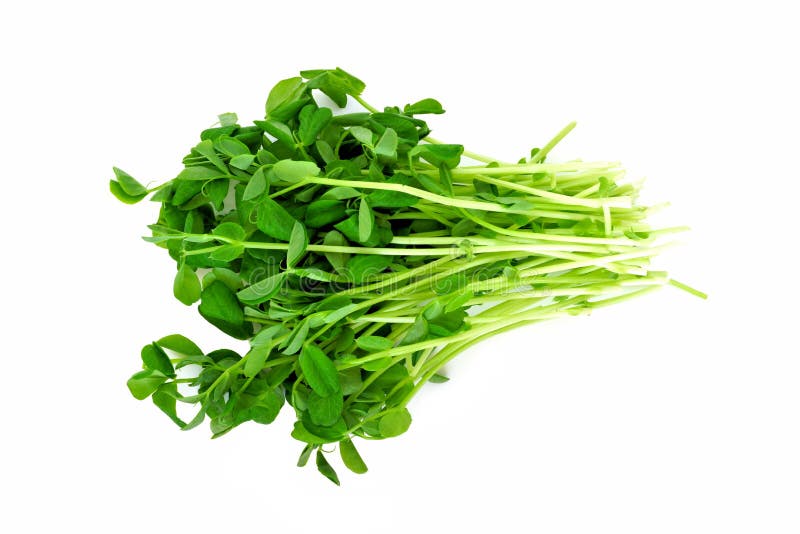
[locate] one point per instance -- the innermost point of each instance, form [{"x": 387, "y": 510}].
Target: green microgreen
[{"x": 357, "y": 256}]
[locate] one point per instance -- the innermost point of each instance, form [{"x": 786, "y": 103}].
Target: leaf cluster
[{"x": 351, "y": 251}]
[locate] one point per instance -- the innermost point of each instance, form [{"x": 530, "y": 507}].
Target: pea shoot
[{"x": 358, "y": 255}]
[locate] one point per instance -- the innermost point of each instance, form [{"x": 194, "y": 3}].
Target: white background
[{"x": 667, "y": 414}]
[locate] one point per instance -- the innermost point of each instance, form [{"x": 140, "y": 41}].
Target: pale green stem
[{"x": 539, "y": 156}]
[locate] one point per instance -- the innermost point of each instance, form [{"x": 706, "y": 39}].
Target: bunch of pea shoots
[{"x": 357, "y": 255}]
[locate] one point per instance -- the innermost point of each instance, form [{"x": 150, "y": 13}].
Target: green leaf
[
  {"x": 332, "y": 433},
  {"x": 206, "y": 148},
  {"x": 267, "y": 334},
  {"x": 227, "y": 253},
  {"x": 458, "y": 302},
  {"x": 331, "y": 87},
  {"x": 162, "y": 195},
  {"x": 374, "y": 343},
  {"x": 325, "y": 151},
  {"x": 180, "y": 345},
  {"x": 377, "y": 365},
  {"x": 386, "y": 148},
  {"x": 143, "y": 383},
  {"x": 366, "y": 220},
  {"x": 406, "y": 127},
  {"x": 436, "y": 378},
  {"x": 263, "y": 290},
  {"x": 129, "y": 184},
  {"x": 231, "y": 146},
  {"x": 344, "y": 341},
  {"x": 315, "y": 274},
  {"x": 325, "y": 468},
  {"x": 325, "y": 411},
  {"x": 117, "y": 191},
  {"x": 161, "y": 238},
  {"x": 221, "y": 425},
  {"x": 252, "y": 136},
  {"x": 278, "y": 130},
  {"x": 350, "y": 380},
  {"x": 230, "y": 278},
  {"x": 380, "y": 235},
  {"x": 274, "y": 220},
  {"x": 231, "y": 230},
  {"x": 194, "y": 360},
  {"x": 446, "y": 179},
  {"x": 266, "y": 407},
  {"x": 213, "y": 133},
  {"x": 424, "y": 106},
  {"x": 256, "y": 186},
  {"x": 185, "y": 190},
  {"x": 334, "y": 302},
  {"x": 354, "y": 85},
  {"x": 242, "y": 161},
  {"x": 418, "y": 332},
  {"x": 305, "y": 455},
  {"x": 362, "y": 267},
  {"x": 463, "y": 228},
  {"x": 341, "y": 313},
  {"x": 227, "y": 119},
  {"x": 282, "y": 99},
  {"x": 165, "y": 398},
  {"x": 200, "y": 173},
  {"x": 219, "y": 306},
  {"x": 289, "y": 170},
  {"x": 341, "y": 193},
  {"x": 350, "y": 457},
  {"x": 298, "y": 242},
  {"x": 393, "y": 199},
  {"x": 335, "y": 83},
  {"x": 313, "y": 123},
  {"x": 297, "y": 338},
  {"x": 301, "y": 433},
  {"x": 351, "y": 119},
  {"x": 431, "y": 185},
  {"x": 195, "y": 422},
  {"x": 363, "y": 135},
  {"x": 221, "y": 356},
  {"x": 323, "y": 212},
  {"x": 436, "y": 155},
  {"x": 338, "y": 260},
  {"x": 154, "y": 357},
  {"x": 394, "y": 423},
  {"x": 186, "y": 286},
  {"x": 319, "y": 371},
  {"x": 256, "y": 359},
  {"x": 216, "y": 191}
]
